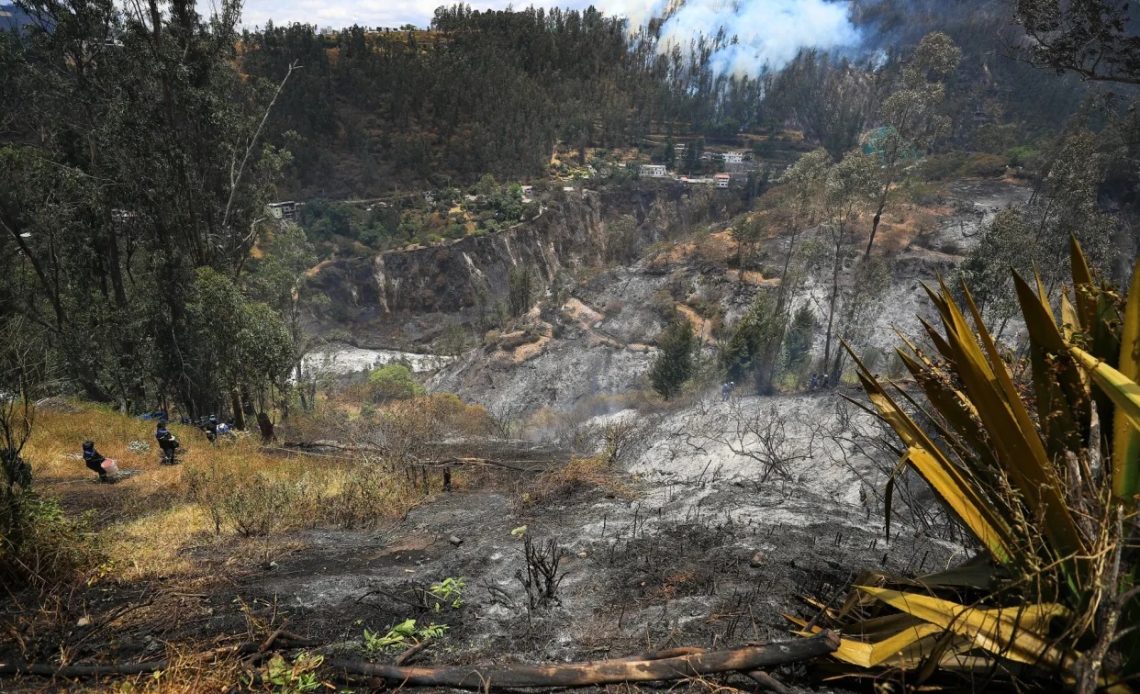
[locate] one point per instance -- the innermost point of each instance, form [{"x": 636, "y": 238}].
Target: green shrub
[
  {"x": 984, "y": 165},
  {"x": 393, "y": 382},
  {"x": 259, "y": 505},
  {"x": 1023, "y": 156},
  {"x": 53, "y": 549},
  {"x": 939, "y": 167}
]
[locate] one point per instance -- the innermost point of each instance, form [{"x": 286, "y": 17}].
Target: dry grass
[
  {"x": 236, "y": 487},
  {"x": 579, "y": 475}
]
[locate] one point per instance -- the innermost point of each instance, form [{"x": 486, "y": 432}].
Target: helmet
[{"x": 88, "y": 445}]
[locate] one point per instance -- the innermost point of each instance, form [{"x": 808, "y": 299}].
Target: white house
[
  {"x": 733, "y": 157},
  {"x": 653, "y": 170},
  {"x": 722, "y": 180},
  {"x": 286, "y": 210}
]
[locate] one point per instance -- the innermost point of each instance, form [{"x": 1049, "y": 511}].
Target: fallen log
[
  {"x": 76, "y": 671},
  {"x": 286, "y": 639},
  {"x": 744, "y": 659}
]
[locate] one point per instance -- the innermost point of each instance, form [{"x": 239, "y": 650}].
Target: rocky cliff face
[{"x": 410, "y": 296}]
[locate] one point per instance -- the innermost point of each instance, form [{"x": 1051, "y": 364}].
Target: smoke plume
[{"x": 768, "y": 33}]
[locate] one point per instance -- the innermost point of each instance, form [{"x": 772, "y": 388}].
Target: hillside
[{"x": 755, "y": 346}]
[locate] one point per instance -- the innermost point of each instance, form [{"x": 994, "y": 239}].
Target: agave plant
[{"x": 1038, "y": 457}]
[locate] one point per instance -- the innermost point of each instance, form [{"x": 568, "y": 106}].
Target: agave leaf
[
  {"x": 990, "y": 529},
  {"x": 1070, "y": 322},
  {"x": 906, "y": 648},
  {"x": 1002, "y": 412},
  {"x": 943, "y": 476},
  {"x": 959, "y": 412},
  {"x": 1083, "y": 286},
  {"x": 1010, "y": 633},
  {"x": 1042, "y": 295},
  {"x": 1126, "y": 435},
  {"x": 973, "y": 574},
  {"x": 1062, "y": 400},
  {"x": 1123, "y": 391}
]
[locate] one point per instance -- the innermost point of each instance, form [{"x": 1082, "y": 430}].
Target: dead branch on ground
[{"x": 746, "y": 659}]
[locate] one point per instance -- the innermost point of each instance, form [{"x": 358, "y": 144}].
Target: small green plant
[
  {"x": 403, "y": 634},
  {"x": 449, "y": 590},
  {"x": 298, "y": 677}
]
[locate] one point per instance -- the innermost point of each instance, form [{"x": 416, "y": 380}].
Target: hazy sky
[{"x": 387, "y": 13}]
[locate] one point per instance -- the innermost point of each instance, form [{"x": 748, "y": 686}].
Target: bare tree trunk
[
  {"x": 831, "y": 301},
  {"x": 878, "y": 218},
  {"x": 235, "y": 405}
]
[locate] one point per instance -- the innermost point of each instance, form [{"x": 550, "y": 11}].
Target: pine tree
[{"x": 674, "y": 362}]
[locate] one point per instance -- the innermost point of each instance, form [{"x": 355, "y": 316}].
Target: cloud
[{"x": 768, "y": 33}]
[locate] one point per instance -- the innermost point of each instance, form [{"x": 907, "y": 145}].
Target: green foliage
[
  {"x": 45, "y": 547},
  {"x": 297, "y": 677},
  {"x": 753, "y": 341},
  {"x": 673, "y": 364},
  {"x": 402, "y": 635},
  {"x": 798, "y": 340},
  {"x": 236, "y": 343},
  {"x": 172, "y": 176},
  {"x": 484, "y": 93},
  {"x": 393, "y": 382},
  {"x": 450, "y": 591}
]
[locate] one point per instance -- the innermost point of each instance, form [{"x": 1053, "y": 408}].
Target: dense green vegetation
[
  {"x": 133, "y": 200},
  {"x": 137, "y": 166}
]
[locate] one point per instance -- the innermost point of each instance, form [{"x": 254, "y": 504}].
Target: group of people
[{"x": 168, "y": 444}]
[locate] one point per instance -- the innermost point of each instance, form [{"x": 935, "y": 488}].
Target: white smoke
[{"x": 768, "y": 33}]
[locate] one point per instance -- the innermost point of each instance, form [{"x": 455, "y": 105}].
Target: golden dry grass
[
  {"x": 146, "y": 521},
  {"x": 580, "y": 474}
]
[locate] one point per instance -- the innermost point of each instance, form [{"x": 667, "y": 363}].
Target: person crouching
[
  {"x": 167, "y": 442},
  {"x": 94, "y": 461}
]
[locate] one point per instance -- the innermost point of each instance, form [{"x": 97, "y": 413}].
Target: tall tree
[
  {"x": 134, "y": 156},
  {"x": 673, "y": 364},
  {"x": 1096, "y": 39},
  {"x": 911, "y": 119}
]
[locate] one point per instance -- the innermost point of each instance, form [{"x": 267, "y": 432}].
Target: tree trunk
[
  {"x": 831, "y": 304},
  {"x": 235, "y": 405},
  {"x": 266, "y": 426}
]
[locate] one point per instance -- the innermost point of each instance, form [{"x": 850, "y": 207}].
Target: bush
[
  {"x": 984, "y": 166},
  {"x": 365, "y": 495},
  {"x": 1023, "y": 156},
  {"x": 54, "y": 548},
  {"x": 259, "y": 505},
  {"x": 393, "y": 382}
]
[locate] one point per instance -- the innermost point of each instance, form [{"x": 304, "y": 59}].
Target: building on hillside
[
  {"x": 285, "y": 211},
  {"x": 733, "y": 157},
  {"x": 722, "y": 180},
  {"x": 679, "y": 149},
  {"x": 653, "y": 170}
]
